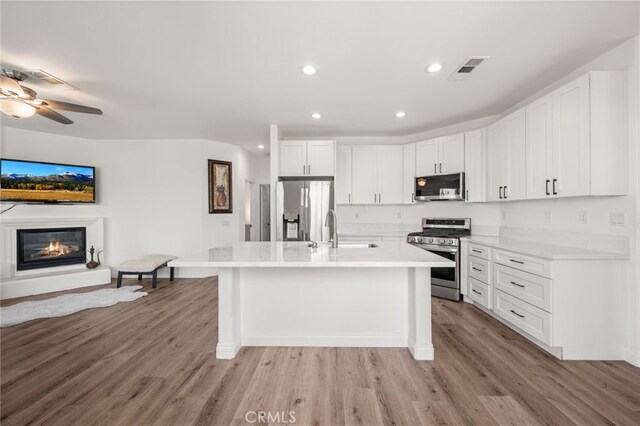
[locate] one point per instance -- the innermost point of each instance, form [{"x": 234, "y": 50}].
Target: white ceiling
[{"x": 225, "y": 71}]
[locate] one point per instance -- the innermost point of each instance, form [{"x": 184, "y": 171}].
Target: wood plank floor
[{"x": 152, "y": 362}]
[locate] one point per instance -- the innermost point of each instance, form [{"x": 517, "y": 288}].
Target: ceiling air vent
[
  {"x": 468, "y": 66},
  {"x": 51, "y": 79}
]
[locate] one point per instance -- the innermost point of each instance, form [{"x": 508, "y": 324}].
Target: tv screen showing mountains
[{"x": 30, "y": 181}]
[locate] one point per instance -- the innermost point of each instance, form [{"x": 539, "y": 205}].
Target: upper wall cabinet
[
  {"x": 377, "y": 174},
  {"x": 474, "y": 160},
  {"x": 408, "y": 173},
  {"x": 307, "y": 158},
  {"x": 442, "y": 155},
  {"x": 343, "y": 174},
  {"x": 576, "y": 142},
  {"x": 506, "y": 158}
]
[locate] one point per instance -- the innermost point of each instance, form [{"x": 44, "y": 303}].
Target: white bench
[{"x": 145, "y": 265}]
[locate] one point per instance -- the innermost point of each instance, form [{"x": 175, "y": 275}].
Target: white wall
[{"x": 152, "y": 193}]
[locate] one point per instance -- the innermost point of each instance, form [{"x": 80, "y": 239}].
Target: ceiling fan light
[
  {"x": 16, "y": 109},
  {"x": 10, "y": 86}
]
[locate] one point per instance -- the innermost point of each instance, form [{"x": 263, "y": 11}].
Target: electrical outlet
[
  {"x": 616, "y": 219},
  {"x": 582, "y": 218},
  {"x": 547, "y": 217}
]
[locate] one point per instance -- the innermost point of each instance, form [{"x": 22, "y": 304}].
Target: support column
[
  {"x": 419, "y": 300},
  {"x": 229, "y": 310}
]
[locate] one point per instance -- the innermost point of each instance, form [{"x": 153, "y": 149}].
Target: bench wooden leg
[
  {"x": 171, "y": 274},
  {"x": 119, "y": 279},
  {"x": 155, "y": 279},
  {"x": 139, "y": 277}
]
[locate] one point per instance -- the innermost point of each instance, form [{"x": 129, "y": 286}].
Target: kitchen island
[{"x": 290, "y": 294}]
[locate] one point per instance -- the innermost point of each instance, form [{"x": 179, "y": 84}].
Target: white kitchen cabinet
[
  {"x": 377, "y": 174},
  {"x": 390, "y": 174},
  {"x": 408, "y": 173},
  {"x": 427, "y": 158},
  {"x": 342, "y": 182},
  {"x": 474, "y": 160},
  {"x": 442, "y": 155},
  {"x": 506, "y": 158},
  {"x": 307, "y": 158},
  {"x": 576, "y": 142}
]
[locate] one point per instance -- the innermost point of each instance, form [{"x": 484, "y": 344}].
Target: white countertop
[
  {"x": 543, "y": 250},
  {"x": 388, "y": 254}
]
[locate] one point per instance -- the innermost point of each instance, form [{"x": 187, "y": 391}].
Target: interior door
[
  {"x": 390, "y": 174},
  {"x": 365, "y": 174},
  {"x": 427, "y": 157},
  {"x": 451, "y": 154},
  {"x": 539, "y": 121},
  {"x": 293, "y": 158}
]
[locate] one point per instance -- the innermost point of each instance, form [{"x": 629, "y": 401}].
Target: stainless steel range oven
[{"x": 442, "y": 237}]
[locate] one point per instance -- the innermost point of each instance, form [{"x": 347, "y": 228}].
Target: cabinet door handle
[
  {"x": 516, "y": 261},
  {"x": 467, "y": 195},
  {"x": 476, "y": 291},
  {"x": 413, "y": 197},
  {"x": 349, "y": 198},
  {"x": 554, "y": 186},
  {"x": 375, "y": 198},
  {"x": 515, "y": 313},
  {"x": 476, "y": 251},
  {"x": 304, "y": 170},
  {"x": 516, "y": 284},
  {"x": 546, "y": 186},
  {"x": 440, "y": 168},
  {"x": 505, "y": 192},
  {"x": 435, "y": 168},
  {"x": 476, "y": 269},
  {"x": 500, "y": 193},
  {"x": 379, "y": 198}
]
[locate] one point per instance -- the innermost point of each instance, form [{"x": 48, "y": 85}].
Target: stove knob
[
  {"x": 430, "y": 240},
  {"x": 441, "y": 241},
  {"x": 450, "y": 242}
]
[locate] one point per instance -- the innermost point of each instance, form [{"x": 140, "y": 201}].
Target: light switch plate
[
  {"x": 616, "y": 219},
  {"x": 582, "y": 218}
]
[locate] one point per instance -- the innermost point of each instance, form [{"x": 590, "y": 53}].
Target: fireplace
[{"x": 50, "y": 247}]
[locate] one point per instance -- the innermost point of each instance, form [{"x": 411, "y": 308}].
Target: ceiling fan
[{"x": 19, "y": 101}]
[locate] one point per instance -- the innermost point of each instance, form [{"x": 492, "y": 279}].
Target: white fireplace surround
[{"x": 14, "y": 283}]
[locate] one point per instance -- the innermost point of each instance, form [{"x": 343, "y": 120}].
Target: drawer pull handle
[
  {"x": 515, "y": 313},
  {"x": 476, "y": 251},
  {"x": 517, "y": 261},
  {"x": 476, "y": 269},
  {"x": 516, "y": 284},
  {"x": 476, "y": 291}
]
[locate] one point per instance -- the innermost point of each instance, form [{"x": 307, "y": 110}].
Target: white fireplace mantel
[{"x": 14, "y": 283}]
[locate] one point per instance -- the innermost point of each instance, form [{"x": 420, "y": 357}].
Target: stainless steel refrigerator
[{"x": 302, "y": 206}]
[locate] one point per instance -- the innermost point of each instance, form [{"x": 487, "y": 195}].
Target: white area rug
[{"x": 67, "y": 304}]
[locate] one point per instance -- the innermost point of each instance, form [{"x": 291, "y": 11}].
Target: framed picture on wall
[{"x": 220, "y": 187}]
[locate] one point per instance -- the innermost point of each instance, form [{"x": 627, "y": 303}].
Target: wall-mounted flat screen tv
[{"x": 36, "y": 182}]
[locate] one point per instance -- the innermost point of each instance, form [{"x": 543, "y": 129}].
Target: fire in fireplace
[{"x": 49, "y": 247}]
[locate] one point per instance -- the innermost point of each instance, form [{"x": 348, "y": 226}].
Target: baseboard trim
[
  {"x": 227, "y": 351},
  {"x": 422, "y": 353},
  {"x": 632, "y": 356},
  {"x": 327, "y": 341}
]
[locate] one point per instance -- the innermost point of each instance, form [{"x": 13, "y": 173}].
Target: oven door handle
[{"x": 437, "y": 249}]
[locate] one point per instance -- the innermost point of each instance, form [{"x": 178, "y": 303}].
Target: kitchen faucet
[{"x": 334, "y": 235}]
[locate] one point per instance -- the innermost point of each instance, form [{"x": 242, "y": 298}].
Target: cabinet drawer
[
  {"x": 535, "y": 265},
  {"x": 478, "y": 268},
  {"x": 523, "y": 285},
  {"x": 526, "y": 317},
  {"x": 479, "y": 251},
  {"x": 480, "y": 292}
]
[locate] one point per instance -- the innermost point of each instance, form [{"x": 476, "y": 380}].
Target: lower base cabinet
[{"x": 569, "y": 307}]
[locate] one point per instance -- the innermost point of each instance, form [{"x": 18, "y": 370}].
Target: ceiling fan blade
[
  {"x": 52, "y": 115},
  {"x": 71, "y": 107},
  {"x": 10, "y": 85}
]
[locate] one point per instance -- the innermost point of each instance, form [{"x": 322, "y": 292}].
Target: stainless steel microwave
[{"x": 440, "y": 187}]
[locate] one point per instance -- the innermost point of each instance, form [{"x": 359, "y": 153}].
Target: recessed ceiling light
[
  {"x": 434, "y": 67},
  {"x": 260, "y": 146},
  {"x": 316, "y": 115},
  {"x": 400, "y": 114},
  {"x": 309, "y": 70}
]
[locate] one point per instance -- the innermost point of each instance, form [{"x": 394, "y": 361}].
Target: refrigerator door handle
[{"x": 302, "y": 197}]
